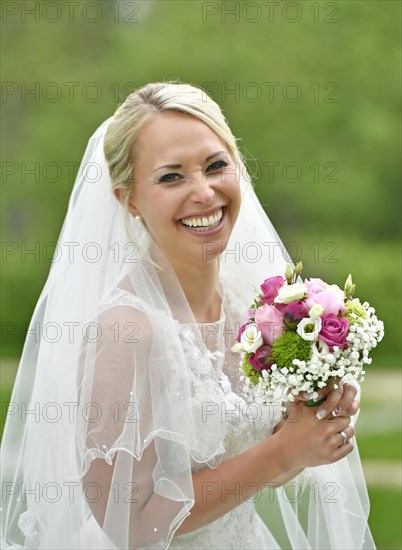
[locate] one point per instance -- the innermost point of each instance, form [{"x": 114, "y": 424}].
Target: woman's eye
[
  {"x": 169, "y": 178},
  {"x": 217, "y": 165}
]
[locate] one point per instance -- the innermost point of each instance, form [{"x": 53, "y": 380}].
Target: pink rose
[
  {"x": 334, "y": 331},
  {"x": 294, "y": 312},
  {"x": 330, "y": 297},
  {"x": 270, "y": 322},
  {"x": 270, "y": 289},
  {"x": 314, "y": 286},
  {"x": 330, "y": 300},
  {"x": 261, "y": 359}
]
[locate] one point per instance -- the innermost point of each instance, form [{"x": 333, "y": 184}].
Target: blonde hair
[{"x": 137, "y": 108}]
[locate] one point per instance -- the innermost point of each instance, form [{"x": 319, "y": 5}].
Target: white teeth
[{"x": 204, "y": 223}]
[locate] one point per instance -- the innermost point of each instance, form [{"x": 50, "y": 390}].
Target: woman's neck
[{"x": 200, "y": 285}]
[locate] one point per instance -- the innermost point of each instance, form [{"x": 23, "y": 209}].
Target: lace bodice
[{"x": 246, "y": 423}]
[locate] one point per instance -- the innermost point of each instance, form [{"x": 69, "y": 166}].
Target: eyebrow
[{"x": 180, "y": 165}]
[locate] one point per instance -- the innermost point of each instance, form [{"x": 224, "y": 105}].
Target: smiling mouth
[{"x": 204, "y": 223}]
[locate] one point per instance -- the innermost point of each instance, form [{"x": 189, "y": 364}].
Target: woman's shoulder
[
  {"x": 119, "y": 297},
  {"x": 122, "y": 312}
]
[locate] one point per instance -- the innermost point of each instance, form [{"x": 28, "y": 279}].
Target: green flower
[
  {"x": 357, "y": 309},
  {"x": 290, "y": 346},
  {"x": 248, "y": 369}
]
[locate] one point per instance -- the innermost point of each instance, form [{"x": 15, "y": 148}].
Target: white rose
[
  {"x": 291, "y": 293},
  {"x": 309, "y": 329},
  {"x": 251, "y": 339},
  {"x": 315, "y": 311}
]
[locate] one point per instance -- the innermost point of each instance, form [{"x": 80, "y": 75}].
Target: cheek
[
  {"x": 160, "y": 211},
  {"x": 234, "y": 193}
]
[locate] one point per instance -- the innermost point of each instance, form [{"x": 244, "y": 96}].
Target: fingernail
[
  {"x": 320, "y": 415},
  {"x": 306, "y": 395},
  {"x": 336, "y": 411}
]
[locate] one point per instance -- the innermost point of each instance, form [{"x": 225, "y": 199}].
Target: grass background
[{"x": 342, "y": 134}]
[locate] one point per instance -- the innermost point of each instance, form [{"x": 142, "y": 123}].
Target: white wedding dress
[{"x": 242, "y": 527}]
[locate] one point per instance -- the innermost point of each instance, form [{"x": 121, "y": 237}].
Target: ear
[{"x": 118, "y": 193}]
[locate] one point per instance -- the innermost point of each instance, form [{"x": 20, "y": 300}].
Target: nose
[{"x": 202, "y": 189}]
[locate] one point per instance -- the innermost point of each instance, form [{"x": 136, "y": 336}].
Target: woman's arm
[
  {"x": 219, "y": 490},
  {"x": 298, "y": 444},
  {"x": 282, "y": 479},
  {"x": 305, "y": 442}
]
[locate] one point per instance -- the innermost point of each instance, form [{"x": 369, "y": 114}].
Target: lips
[{"x": 204, "y": 223}]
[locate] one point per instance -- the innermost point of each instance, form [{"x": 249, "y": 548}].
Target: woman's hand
[
  {"x": 307, "y": 441},
  {"x": 340, "y": 401}
]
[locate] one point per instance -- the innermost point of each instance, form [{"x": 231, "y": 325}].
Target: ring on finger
[{"x": 344, "y": 437}]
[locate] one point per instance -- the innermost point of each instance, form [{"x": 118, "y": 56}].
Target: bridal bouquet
[{"x": 297, "y": 336}]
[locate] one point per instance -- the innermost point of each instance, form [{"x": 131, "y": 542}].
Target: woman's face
[{"x": 186, "y": 187}]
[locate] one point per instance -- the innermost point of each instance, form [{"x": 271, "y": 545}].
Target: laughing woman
[{"x": 143, "y": 437}]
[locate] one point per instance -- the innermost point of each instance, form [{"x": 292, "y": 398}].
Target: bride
[{"x": 128, "y": 427}]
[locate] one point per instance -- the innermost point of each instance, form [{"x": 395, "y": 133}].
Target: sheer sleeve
[{"x": 138, "y": 429}]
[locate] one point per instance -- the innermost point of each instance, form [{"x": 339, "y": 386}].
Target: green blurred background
[{"x": 312, "y": 91}]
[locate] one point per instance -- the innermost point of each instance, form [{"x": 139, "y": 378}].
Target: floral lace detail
[
  {"x": 118, "y": 297},
  {"x": 201, "y": 364},
  {"x": 247, "y": 424}
]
